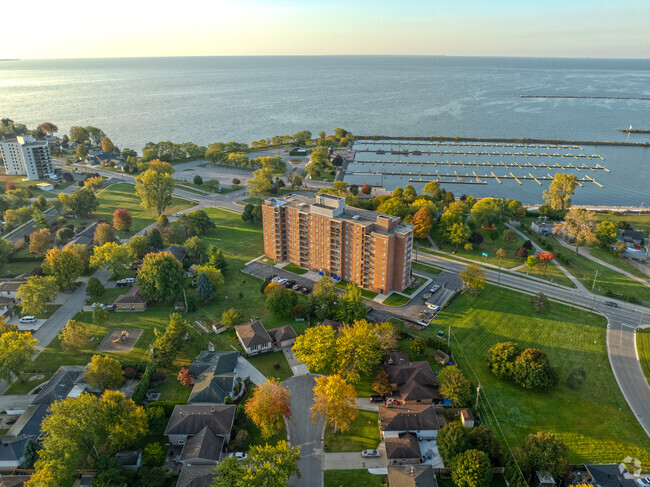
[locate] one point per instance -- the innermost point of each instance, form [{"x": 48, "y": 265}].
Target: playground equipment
[{"x": 123, "y": 336}]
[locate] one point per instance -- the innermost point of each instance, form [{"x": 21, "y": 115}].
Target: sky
[{"x": 140, "y": 28}]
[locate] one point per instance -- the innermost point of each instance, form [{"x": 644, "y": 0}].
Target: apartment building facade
[
  {"x": 24, "y": 155},
  {"x": 321, "y": 234}
]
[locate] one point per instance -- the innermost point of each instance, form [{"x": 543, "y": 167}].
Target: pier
[
  {"x": 588, "y": 97},
  {"x": 480, "y": 153},
  {"x": 500, "y": 164}
]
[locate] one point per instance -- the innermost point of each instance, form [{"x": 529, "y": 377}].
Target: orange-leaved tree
[
  {"x": 122, "y": 219},
  {"x": 422, "y": 223},
  {"x": 269, "y": 404},
  {"x": 543, "y": 258}
]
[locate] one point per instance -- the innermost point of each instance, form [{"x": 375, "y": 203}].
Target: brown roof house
[
  {"x": 420, "y": 419},
  {"x": 283, "y": 336},
  {"x": 405, "y": 449},
  {"x": 131, "y": 301},
  {"x": 413, "y": 382},
  {"x": 411, "y": 476},
  {"x": 9, "y": 287},
  {"x": 215, "y": 376},
  {"x": 254, "y": 338}
]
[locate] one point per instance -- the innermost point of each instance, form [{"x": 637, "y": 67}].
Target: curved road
[{"x": 622, "y": 322}]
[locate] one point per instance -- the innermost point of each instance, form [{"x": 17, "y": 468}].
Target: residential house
[
  {"x": 204, "y": 448},
  {"x": 14, "y": 480},
  {"x": 254, "y": 338},
  {"x": 215, "y": 376},
  {"x": 29, "y": 423},
  {"x": 87, "y": 235},
  {"x": 542, "y": 227},
  {"x": 129, "y": 459},
  {"x": 188, "y": 420},
  {"x": 632, "y": 238},
  {"x": 405, "y": 449},
  {"x": 179, "y": 252},
  {"x": 283, "y": 336},
  {"x": 420, "y": 419},
  {"x": 132, "y": 300},
  {"x": 7, "y": 306},
  {"x": 467, "y": 418},
  {"x": 9, "y": 287},
  {"x": 412, "y": 382},
  {"x": 615, "y": 475},
  {"x": 411, "y": 476},
  {"x": 65, "y": 382},
  {"x": 196, "y": 476},
  {"x": 11, "y": 451}
]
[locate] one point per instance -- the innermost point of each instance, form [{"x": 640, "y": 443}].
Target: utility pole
[
  {"x": 594, "y": 283},
  {"x": 478, "y": 390},
  {"x": 449, "y": 337}
]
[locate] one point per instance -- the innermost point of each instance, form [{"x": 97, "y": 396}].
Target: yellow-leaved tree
[{"x": 335, "y": 402}]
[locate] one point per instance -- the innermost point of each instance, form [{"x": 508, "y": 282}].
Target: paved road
[
  {"x": 620, "y": 348},
  {"x": 305, "y": 433}
]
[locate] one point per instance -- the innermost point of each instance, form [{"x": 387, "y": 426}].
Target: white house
[
  {"x": 283, "y": 336},
  {"x": 420, "y": 419},
  {"x": 254, "y": 338}
]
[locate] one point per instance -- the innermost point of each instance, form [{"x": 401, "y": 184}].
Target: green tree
[
  {"x": 74, "y": 336},
  {"x": 543, "y": 452},
  {"x": 104, "y": 233},
  {"x": 161, "y": 277},
  {"x": 100, "y": 315},
  {"x": 453, "y": 439},
  {"x": 198, "y": 180},
  {"x": 501, "y": 359},
  {"x": 296, "y": 181},
  {"x": 81, "y": 151},
  {"x": 155, "y": 190},
  {"x": 96, "y": 135},
  {"x": 6, "y": 251},
  {"x": 458, "y": 234},
  {"x": 196, "y": 222},
  {"x": 473, "y": 277},
  {"x": 229, "y": 473},
  {"x": 138, "y": 246},
  {"x": 252, "y": 214},
  {"x": 104, "y": 373},
  {"x": 393, "y": 206},
  {"x": 63, "y": 235},
  {"x": 155, "y": 239},
  {"x": 606, "y": 233},
  {"x": 280, "y": 301},
  {"x": 260, "y": 184},
  {"x": 489, "y": 212},
  {"x": 31, "y": 452},
  {"x": 532, "y": 370},
  {"x": 471, "y": 469},
  {"x": 316, "y": 347},
  {"x": 481, "y": 438},
  {"x": 36, "y": 293},
  {"x": 83, "y": 254},
  {"x": 196, "y": 248},
  {"x": 559, "y": 193},
  {"x": 351, "y": 306},
  {"x": 81, "y": 203},
  {"x": 271, "y": 466},
  {"x": 204, "y": 288},
  {"x": 455, "y": 386},
  {"x": 111, "y": 256},
  {"x": 64, "y": 265},
  {"x": 217, "y": 259},
  {"x": 16, "y": 351},
  {"x": 153, "y": 455},
  {"x": 357, "y": 350},
  {"x": 417, "y": 347},
  {"x": 322, "y": 298},
  {"x": 231, "y": 317},
  {"x": 214, "y": 274}
]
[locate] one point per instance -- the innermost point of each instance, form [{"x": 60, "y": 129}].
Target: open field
[
  {"x": 362, "y": 435},
  {"x": 594, "y": 421},
  {"x": 551, "y": 273},
  {"x": 291, "y": 267},
  {"x": 637, "y": 221},
  {"x": 122, "y": 195},
  {"x": 356, "y": 478},
  {"x": 488, "y": 246},
  {"x": 396, "y": 299},
  {"x": 21, "y": 262},
  {"x": 643, "y": 349},
  {"x": 265, "y": 363}
]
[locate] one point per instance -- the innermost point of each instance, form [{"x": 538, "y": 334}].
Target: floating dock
[{"x": 523, "y": 165}]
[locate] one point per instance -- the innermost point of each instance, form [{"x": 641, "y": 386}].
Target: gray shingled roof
[
  {"x": 219, "y": 362},
  {"x": 11, "y": 449},
  {"x": 60, "y": 385},
  {"x": 283, "y": 333},
  {"x": 215, "y": 376},
  {"x": 196, "y": 476},
  {"x": 205, "y": 445},
  {"x": 414, "y": 417},
  {"x": 414, "y": 380},
  {"x": 406, "y": 446},
  {"x": 29, "y": 423},
  {"x": 191, "y": 418},
  {"x": 253, "y": 334},
  {"x": 411, "y": 476}
]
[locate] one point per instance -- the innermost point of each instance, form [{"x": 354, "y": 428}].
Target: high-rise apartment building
[
  {"x": 367, "y": 248},
  {"x": 25, "y": 155}
]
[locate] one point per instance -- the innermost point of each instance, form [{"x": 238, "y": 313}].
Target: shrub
[
  {"x": 242, "y": 440},
  {"x": 198, "y": 180},
  {"x": 528, "y": 245},
  {"x": 156, "y": 417},
  {"x": 140, "y": 391},
  {"x": 576, "y": 378},
  {"x": 417, "y": 346},
  {"x": 236, "y": 181},
  {"x": 129, "y": 372},
  {"x": 168, "y": 406},
  {"x": 476, "y": 238},
  {"x": 438, "y": 344}
]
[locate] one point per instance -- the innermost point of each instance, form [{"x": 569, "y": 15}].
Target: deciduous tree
[
  {"x": 532, "y": 370},
  {"x": 269, "y": 406},
  {"x": 160, "y": 277},
  {"x": 111, "y": 256},
  {"x": 455, "y": 386},
  {"x": 78, "y": 134},
  {"x": 540, "y": 303},
  {"x": 231, "y": 317},
  {"x": 6, "y": 251},
  {"x": 48, "y": 128},
  {"x": 335, "y": 402},
  {"x": 260, "y": 184},
  {"x": 196, "y": 248},
  {"x": 422, "y": 223},
  {"x": 453, "y": 439},
  {"x": 155, "y": 189},
  {"x": 388, "y": 336},
  {"x": 74, "y": 336},
  {"x": 322, "y": 298},
  {"x": 184, "y": 377},
  {"x": 473, "y": 277},
  {"x": 138, "y": 246},
  {"x": 559, "y": 193},
  {"x": 39, "y": 241},
  {"x": 471, "y": 469},
  {"x": 489, "y": 212},
  {"x": 104, "y": 233},
  {"x": 104, "y": 373},
  {"x": 96, "y": 135},
  {"x": 100, "y": 315},
  {"x": 64, "y": 265},
  {"x": 351, "y": 306},
  {"x": 122, "y": 220},
  {"x": 501, "y": 359},
  {"x": 578, "y": 225},
  {"x": 316, "y": 347},
  {"x": 606, "y": 233},
  {"x": 82, "y": 202},
  {"x": 357, "y": 350},
  {"x": 107, "y": 145},
  {"x": 214, "y": 275},
  {"x": 16, "y": 351},
  {"x": 458, "y": 234},
  {"x": 381, "y": 383},
  {"x": 36, "y": 293},
  {"x": 280, "y": 300},
  {"x": 544, "y": 452},
  {"x": 93, "y": 183},
  {"x": 196, "y": 222}
]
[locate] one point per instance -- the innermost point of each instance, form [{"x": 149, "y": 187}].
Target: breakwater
[
  {"x": 525, "y": 140},
  {"x": 588, "y": 97}
]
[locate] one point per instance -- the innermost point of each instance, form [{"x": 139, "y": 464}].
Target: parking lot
[{"x": 262, "y": 271}]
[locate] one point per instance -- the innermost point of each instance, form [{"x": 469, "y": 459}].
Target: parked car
[
  {"x": 427, "y": 295},
  {"x": 110, "y": 307},
  {"x": 296, "y": 287},
  {"x": 178, "y": 214},
  {"x": 238, "y": 455},
  {"x": 369, "y": 453},
  {"x": 440, "y": 334},
  {"x": 643, "y": 482},
  {"x": 611, "y": 304},
  {"x": 434, "y": 307},
  {"x": 434, "y": 288},
  {"x": 289, "y": 284},
  {"x": 427, "y": 313},
  {"x": 101, "y": 305},
  {"x": 377, "y": 398},
  {"x": 28, "y": 319},
  {"x": 124, "y": 283},
  {"x": 283, "y": 281}
]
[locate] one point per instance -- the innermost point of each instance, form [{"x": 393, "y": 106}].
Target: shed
[
  {"x": 545, "y": 479},
  {"x": 129, "y": 459},
  {"x": 467, "y": 418},
  {"x": 45, "y": 186}
]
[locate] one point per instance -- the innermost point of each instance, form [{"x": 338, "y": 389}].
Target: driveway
[
  {"x": 16, "y": 403},
  {"x": 297, "y": 367},
  {"x": 354, "y": 460},
  {"x": 305, "y": 433},
  {"x": 246, "y": 369}
]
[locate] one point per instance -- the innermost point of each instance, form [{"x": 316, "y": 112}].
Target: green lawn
[
  {"x": 366, "y": 293},
  {"x": 488, "y": 246},
  {"x": 622, "y": 263},
  {"x": 551, "y": 273},
  {"x": 638, "y": 221},
  {"x": 192, "y": 188},
  {"x": 415, "y": 286},
  {"x": 396, "y": 299},
  {"x": 265, "y": 363},
  {"x": 594, "y": 421},
  {"x": 362, "y": 435},
  {"x": 291, "y": 267},
  {"x": 122, "y": 195},
  {"x": 420, "y": 266},
  {"x": 355, "y": 478},
  {"x": 643, "y": 349},
  {"x": 21, "y": 262},
  {"x": 24, "y": 387}
]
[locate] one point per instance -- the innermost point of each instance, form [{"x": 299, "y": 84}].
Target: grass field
[
  {"x": 24, "y": 387},
  {"x": 21, "y": 262},
  {"x": 620, "y": 262},
  {"x": 265, "y": 363},
  {"x": 419, "y": 266},
  {"x": 638, "y": 222},
  {"x": 488, "y": 246},
  {"x": 362, "y": 435},
  {"x": 122, "y": 195},
  {"x": 356, "y": 478},
  {"x": 643, "y": 349},
  {"x": 366, "y": 293},
  {"x": 551, "y": 273},
  {"x": 396, "y": 299},
  {"x": 594, "y": 421},
  {"x": 291, "y": 267}
]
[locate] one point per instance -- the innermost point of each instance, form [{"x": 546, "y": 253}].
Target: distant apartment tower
[
  {"x": 364, "y": 247},
  {"x": 25, "y": 155}
]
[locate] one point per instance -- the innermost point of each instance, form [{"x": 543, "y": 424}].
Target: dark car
[
  {"x": 377, "y": 398},
  {"x": 289, "y": 284},
  {"x": 611, "y": 304}
]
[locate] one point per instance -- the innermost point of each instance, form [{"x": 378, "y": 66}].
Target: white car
[
  {"x": 238, "y": 455},
  {"x": 178, "y": 214},
  {"x": 101, "y": 305},
  {"x": 28, "y": 319},
  {"x": 369, "y": 453}
]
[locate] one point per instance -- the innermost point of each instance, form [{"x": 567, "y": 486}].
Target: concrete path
[
  {"x": 16, "y": 402},
  {"x": 365, "y": 404},
  {"x": 303, "y": 432},
  {"x": 354, "y": 460},
  {"x": 297, "y": 367},
  {"x": 246, "y": 369}
]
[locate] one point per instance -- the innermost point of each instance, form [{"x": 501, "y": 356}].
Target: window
[{"x": 181, "y": 442}]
